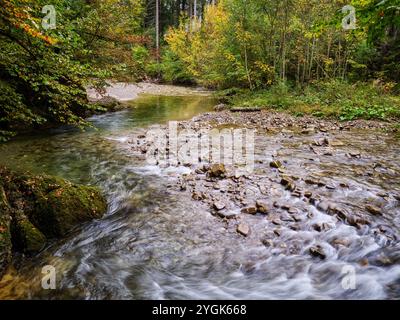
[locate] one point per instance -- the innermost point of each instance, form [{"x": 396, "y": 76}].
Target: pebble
[
  {"x": 262, "y": 206},
  {"x": 219, "y": 205},
  {"x": 249, "y": 210},
  {"x": 318, "y": 252},
  {"x": 373, "y": 210},
  {"x": 243, "y": 229},
  {"x": 276, "y": 164}
]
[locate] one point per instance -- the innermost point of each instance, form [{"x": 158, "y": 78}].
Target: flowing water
[{"x": 157, "y": 243}]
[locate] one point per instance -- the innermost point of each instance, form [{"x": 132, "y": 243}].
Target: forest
[{"x": 328, "y": 58}]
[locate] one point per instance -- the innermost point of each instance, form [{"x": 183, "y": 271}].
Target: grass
[{"x": 333, "y": 99}]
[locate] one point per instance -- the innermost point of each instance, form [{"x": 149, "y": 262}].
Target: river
[{"x": 156, "y": 243}]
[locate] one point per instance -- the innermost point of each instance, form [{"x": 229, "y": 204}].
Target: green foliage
[
  {"x": 44, "y": 73},
  {"x": 173, "y": 69},
  {"x": 335, "y": 99},
  {"x": 257, "y": 43}
]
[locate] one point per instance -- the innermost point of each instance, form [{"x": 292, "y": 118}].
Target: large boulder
[
  {"x": 35, "y": 208},
  {"x": 109, "y": 103}
]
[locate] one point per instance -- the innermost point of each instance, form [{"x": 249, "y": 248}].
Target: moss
[
  {"x": 50, "y": 206},
  {"x": 58, "y": 211},
  {"x": 26, "y": 237},
  {"x": 5, "y": 235}
]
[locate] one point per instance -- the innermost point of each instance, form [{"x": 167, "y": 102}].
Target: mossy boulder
[
  {"x": 5, "y": 234},
  {"x": 109, "y": 103},
  {"x": 26, "y": 237},
  {"x": 35, "y": 208}
]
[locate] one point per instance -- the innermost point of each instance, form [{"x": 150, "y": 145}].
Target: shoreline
[{"x": 283, "y": 199}]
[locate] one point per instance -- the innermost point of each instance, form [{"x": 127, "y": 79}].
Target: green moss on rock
[
  {"x": 41, "y": 207},
  {"x": 5, "y": 235},
  {"x": 26, "y": 237},
  {"x": 58, "y": 211}
]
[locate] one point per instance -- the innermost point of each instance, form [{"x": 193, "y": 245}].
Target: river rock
[
  {"x": 109, "y": 103},
  {"x": 221, "y": 107},
  {"x": 308, "y": 194},
  {"x": 373, "y": 210},
  {"x": 249, "y": 210},
  {"x": 267, "y": 242},
  {"x": 262, "y": 206},
  {"x": 276, "y": 164},
  {"x": 243, "y": 229},
  {"x": 217, "y": 171},
  {"x": 317, "y": 251},
  {"x": 218, "y": 205},
  {"x": 227, "y": 214},
  {"x": 52, "y": 205},
  {"x": 26, "y": 237}
]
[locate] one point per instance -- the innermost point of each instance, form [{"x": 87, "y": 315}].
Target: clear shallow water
[{"x": 155, "y": 243}]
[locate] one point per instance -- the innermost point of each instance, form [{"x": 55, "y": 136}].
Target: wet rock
[
  {"x": 286, "y": 218},
  {"x": 35, "y": 208},
  {"x": 290, "y": 187},
  {"x": 221, "y": 107},
  {"x": 54, "y": 206},
  {"x": 198, "y": 196},
  {"x": 321, "y": 142},
  {"x": 249, "y": 210},
  {"x": 297, "y": 218},
  {"x": 354, "y": 154},
  {"x": 227, "y": 214},
  {"x": 341, "y": 242},
  {"x": 296, "y": 194},
  {"x": 183, "y": 186},
  {"x": 382, "y": 194},
  {"x": 243, "y": 229},
  {"x": 217, "y": 171},
  {"x": 216, "y": 186},
  {"x": 363, "y": 262},
  {"x": 311, "y": 181},
  {"x": 267, "y": 242},
  {"x": 199, "y": 171},
  {"x": 318, "y": 252},
  {"x": 26, "y": 237},
  {"x": 218, "y": 205},
  {"x": 308, "y": 194},
  {"x": 278, "y": 232},
  {"x": 322, "y": 227},
  {"x": 323, "y": 206},
  {"x": 276, "y": 222},
  {"x": 373, "y": 210},
  {"x": 285, "y": 180},
  {"x": 262, "y": 206},
  {"x": 293, "y": 210},
  {"x": 276, "y": 164},
  {"x": 336, "y": 143},
  {"x": 109, "y": 103}
]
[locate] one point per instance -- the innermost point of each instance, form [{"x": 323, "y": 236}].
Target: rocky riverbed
[
  {"x": 321, "y": 198},
  {"x": 319, "y": 187}
]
